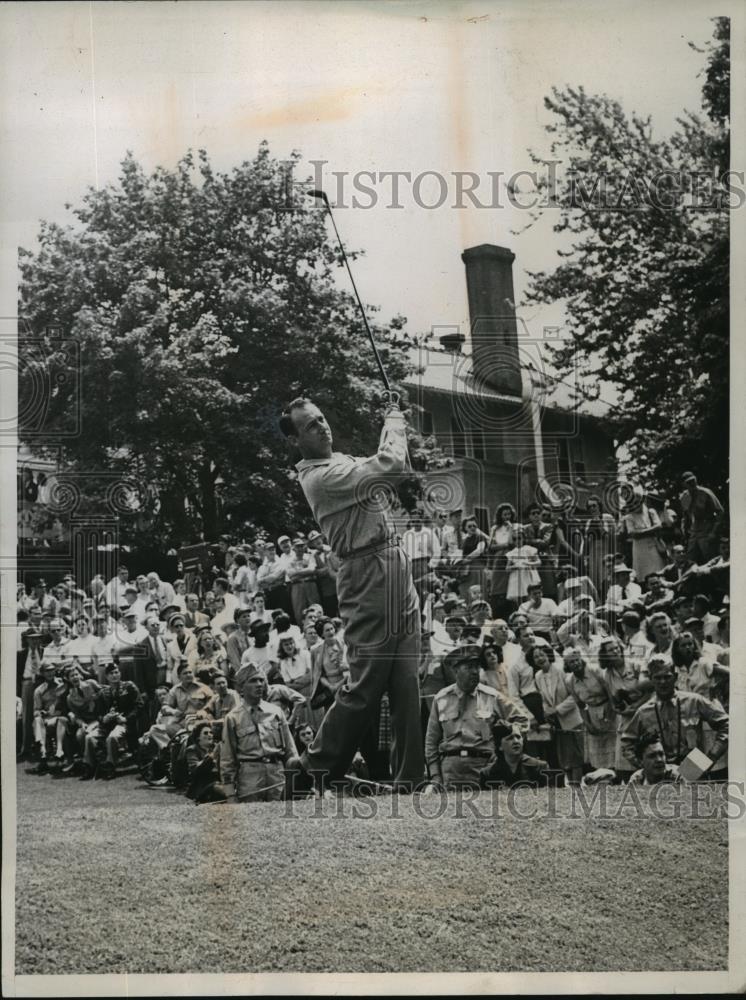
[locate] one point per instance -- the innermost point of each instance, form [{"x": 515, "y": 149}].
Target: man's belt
[
  {"x": 384, "y": 543},
  {"x": 482, "y": 754},
  {"x": 261, "y": 760}
]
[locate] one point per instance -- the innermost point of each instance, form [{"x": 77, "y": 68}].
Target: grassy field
[{"x": 115, "y": 877}]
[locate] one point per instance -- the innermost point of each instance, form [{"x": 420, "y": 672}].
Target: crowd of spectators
[{"x": 584, "y": 647}]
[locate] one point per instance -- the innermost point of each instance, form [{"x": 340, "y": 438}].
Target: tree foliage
[
  {"x": 202, "y": 302},
  {"x": 645, "y": 277}
]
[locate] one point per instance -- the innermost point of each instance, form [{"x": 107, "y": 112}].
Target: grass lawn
[{"x": 115, "y": 877}]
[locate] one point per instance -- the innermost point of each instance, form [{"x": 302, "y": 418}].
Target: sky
[{"x": 417, "y": 87}]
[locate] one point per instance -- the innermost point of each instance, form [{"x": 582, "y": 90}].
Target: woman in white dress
[
  {"x": 523, "y": 562},
  {"x": 642, "y": 525}
]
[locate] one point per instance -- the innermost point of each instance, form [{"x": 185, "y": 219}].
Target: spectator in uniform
[
  {"x": 459, "y": 744},
  {"x": 257, "y": 751},
  {"x": 703, "y": 514},
  {"x": 677, "y": 717}
]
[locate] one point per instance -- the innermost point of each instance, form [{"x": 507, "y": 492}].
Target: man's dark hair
[
  {"x": 109, "y": 667},
  {"x": 321, "y": 624},
  {"x": 282, "y": 622},
  {"x": 222, "y": 582},
  {"x": 532, "y": 507},
  {"x": 644, "y": 740},
  {"x": 286, "y": 418}
]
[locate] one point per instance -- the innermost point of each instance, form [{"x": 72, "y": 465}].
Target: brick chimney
[{"x": 494, "y": 332}]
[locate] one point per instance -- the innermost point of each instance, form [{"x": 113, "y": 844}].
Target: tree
[
  {"x": 645, "y": 278},
  {"x": 202, "y": 302}
]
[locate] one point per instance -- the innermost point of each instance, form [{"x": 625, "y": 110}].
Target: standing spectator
[
  {"x": 587, "y": 684},
  {"x": 493, "y": 671},
  {"x": 257, "y": 751},
  {"x": 628, "y": 685},
  {"x": 538, "y": 533},
  {"x": 114, "y": 590},
  {"x": 459, "y": 742},
  {"x": 326, "y": 573},
  {"x": 598, "y": 540},
  {"x": 522, "y": 565},
  {"x": 423, "y": 548},
  {"x": 259, "y": 610},
  {"x": 32, "y": 673},
  {"x": 642, "y": 526},
  {"x": 300, "y": 575},
  {"x": 238, "y": 642},
  {"x": 560, "y": 711},
  {"x": 473, "y": 553},
  {"x": 703, "y": 514},
  {"x": 293, "y": 669},
  {"x": 677, "y": 717},
  {"x": 270, "y": 580},
  {"x": 103, "y": 645},
  {"x": 242, "y": 584},
  {"x": 501, "y": 541}
]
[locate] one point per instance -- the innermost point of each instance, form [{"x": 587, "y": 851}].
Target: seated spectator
[
  {"x": 259, "y": 610},
  {"x": 623, "y": 590},
  {"x": 540, "y": 611},
  {"x": 80, "y": 646},
  {"x": 328, "y": 664},
  {"x": 179, "y": 644},
  {"x": 649, "y": 751},
  {"x": 701, "y": 605},
  {"x": 511, "y": 765},
  {"x": 659, "y": 634},
  {"x": 658, "y": 596},
  {"x": 81, "y": 706},
  {"x": 187, "y": 700},
  {"x": 493, "y": 671},
  {"x": 224, "y": 700},
  {"x": 259, "y": 653},
  {"x": 118, "y": 707},
  {"x": 49, "y": 717},
  {"x": 582, "y": 632},
  {"x": 202, "y": 766},
  {"x": 193, "y": 616},
  {"x": 695, "y": 671},
  {"x": 208, "y": 658},
  {"x": 293, "y": 668}
]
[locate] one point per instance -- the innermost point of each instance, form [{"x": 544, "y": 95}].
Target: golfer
[{"x": 377, "y": 600}]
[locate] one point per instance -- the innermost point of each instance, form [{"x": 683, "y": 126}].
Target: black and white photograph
[{"x": 370, "y": 434}]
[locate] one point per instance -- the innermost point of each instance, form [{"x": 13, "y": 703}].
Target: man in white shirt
[
  {"x": 577, "y": 598},
  {"x": 520, "y": 674},
  {"x": 540, "y": 611},
  {"x": 222, "y": 589},
  {"x": 622, "y": 591},
  {"x": 103, "y": 647},
  {"x": 451, "y": 540},
  {"x": 114, "y": 591},
  {"x": 56, "y": 652},
  {"x": 423, "y": 548}
]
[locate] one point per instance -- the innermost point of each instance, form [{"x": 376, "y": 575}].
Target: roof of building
[{"x": 443, "y": 371}]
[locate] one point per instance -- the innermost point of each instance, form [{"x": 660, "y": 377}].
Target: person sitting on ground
[
  {"x": 649, "y": 751},
  {"x": 119, "y": 704},
  {"x": 187, "y": 700},
  {"x": 202, "y": 766},
  {"x": 223, "y": 701},
  {"x": 82, "y": 716},
  {"x": 511, "y": 765},
  {"x": 49, "y": 718}
]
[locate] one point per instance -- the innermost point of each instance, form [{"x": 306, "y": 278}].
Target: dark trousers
[{"x": 379, "y": 607}]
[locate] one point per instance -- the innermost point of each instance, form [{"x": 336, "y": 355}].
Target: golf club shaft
[{"x": 381, "y": 369}]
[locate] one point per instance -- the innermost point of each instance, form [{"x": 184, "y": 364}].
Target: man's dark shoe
[
  {"x": 106, "y": 771},
  {"x": 41, "y": 768},
  {"x": 87, "y": 773}
]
